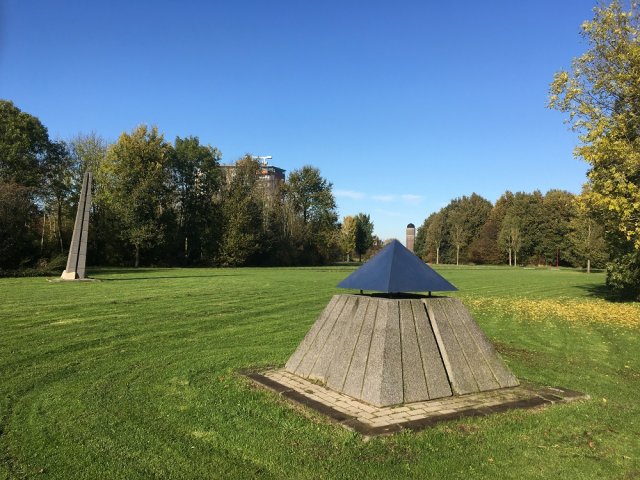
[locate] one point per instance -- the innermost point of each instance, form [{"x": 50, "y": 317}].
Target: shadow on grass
[
  {"x": 177, "y": 277},
  {"x": 603, "y": 292},
  {"x": 140, "y": 274},
  {"x": 125, "y": 270}
]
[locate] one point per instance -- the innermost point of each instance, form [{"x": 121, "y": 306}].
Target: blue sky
[{"x": 401, "y": 105}]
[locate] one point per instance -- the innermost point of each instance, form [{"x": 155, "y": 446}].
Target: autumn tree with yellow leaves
[{"x": 601, "y": 94}]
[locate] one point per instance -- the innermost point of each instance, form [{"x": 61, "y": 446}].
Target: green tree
[
  {"x": 435, "y": 233},
  {"x": 59, "y": 171},
  {"x": 196, "y": 177},
  {"x": 484, "y": 248},
  {"x": 311, "y": 195},
  {"x": 312, "y": 215},
  {"x": 458, "y": 234},
  {"x": 24, "y": 144},
  {"x": 17, "y": 236},
  {"x": 524, "y": 218},
  {"x": 137, "y": 186},
  {"x": 30, "y": 169},
  {"x": 242, "y": 237},
  {"x": 348, "y": 236},
  {"x": 88, "y": 152},
  {"x": 558, "y": 209},
  {"x": 364, "y": 234},
  {"x": 465, "y": 217},
  {"x": 510, "y": 237},
  {"x": 105, "y": 247},
  {"x": 587, "y": 238},
  {"x": 601, "y": 94}
]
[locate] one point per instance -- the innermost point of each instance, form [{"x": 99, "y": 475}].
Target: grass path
[{"x": 134, "y": 377}]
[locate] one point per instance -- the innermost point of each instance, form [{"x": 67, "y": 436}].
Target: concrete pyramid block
[{"x": 388, "y": 351}]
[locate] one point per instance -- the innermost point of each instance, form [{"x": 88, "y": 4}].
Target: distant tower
[{"x": 411, "y": 235}]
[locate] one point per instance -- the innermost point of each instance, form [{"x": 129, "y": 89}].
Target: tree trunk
[
  {"x": 437, "y": 255},
  {"x": 457, "y": 255},
  {"x": 515, "y": 258},
  {"x": 588, "y": 265},
  {"x": 44, "y": 224},
  {"x": 137, "y": 264},
  {"x": 509, "y": 256},
  {"x": 60, "y": 226}
]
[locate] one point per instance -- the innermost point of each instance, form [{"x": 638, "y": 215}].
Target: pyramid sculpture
[
  {"x": 387, "y": 351},
  {"x": 395, "y": 269}
]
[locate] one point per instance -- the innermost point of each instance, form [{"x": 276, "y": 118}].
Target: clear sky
[{"x": 401, "y": 105}]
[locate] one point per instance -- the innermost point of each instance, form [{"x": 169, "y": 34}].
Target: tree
[
  {"x": 348, "y": 236},
  {"x": 311, "y": 195},
  {"x": 458, "y": 235},
  {"x": 242, "y": 215},
  {"x": 435, "y": 233},
  {"x": 601, "y": 94},
  {"x": 465, "y": 217},
  {"x": 558, "y": 208},
  {"x": 136, "y": 181},
  {"x": 312, "y": 215},
  {"x": 196, "y": 177},
  {"x": 16, "y": 235},
  {"x": 364, "y": 234},
  {"x": 59, "y": 171},
  {"x": 484, "y": 248},
  {"x": 32, "y": 170},
  {"x": 24, "y": 144},
  {"x": 511, "y": 238},
  {"x": 587, "y": 238},
  {"x": 88, "y": 152},
  {"x": 524, "y": 221}
]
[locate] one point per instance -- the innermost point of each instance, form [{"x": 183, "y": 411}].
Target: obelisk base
[{"x": 68, "y": 275}]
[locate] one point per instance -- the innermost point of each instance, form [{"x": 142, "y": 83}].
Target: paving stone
[
  {"x": 370, "y": 420},
  {"x": 365, "y": 416}
]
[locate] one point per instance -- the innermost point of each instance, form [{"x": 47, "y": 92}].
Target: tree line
[
  {"x": 156, "y": 202},
  {"x": 161, "y": 203},
  {"x": 520, "y": 229}
]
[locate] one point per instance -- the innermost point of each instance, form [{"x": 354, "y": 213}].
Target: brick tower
[{"x": 411, "y": 235}]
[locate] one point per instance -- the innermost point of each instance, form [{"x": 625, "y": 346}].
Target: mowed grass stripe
[{"x": 134, "y": 377}]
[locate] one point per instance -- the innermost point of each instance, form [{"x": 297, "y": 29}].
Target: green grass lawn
[{"x": 135, "y": 377}]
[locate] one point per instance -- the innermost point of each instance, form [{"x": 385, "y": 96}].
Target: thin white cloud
[
  {"x": 412, "y": 199},
  {"x": 384, "y": 198},
  {"x": 349, "y": 194},
  {"x": 389, "y": 213}
]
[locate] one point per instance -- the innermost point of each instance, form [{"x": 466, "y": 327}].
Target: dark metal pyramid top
[{"x": 395, "y": 270}]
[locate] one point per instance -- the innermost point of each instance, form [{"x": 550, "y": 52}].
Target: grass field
[{"x": 135, "y": 377}]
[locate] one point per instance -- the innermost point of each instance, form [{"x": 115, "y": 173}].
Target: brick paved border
[{"x": 370, "y": 421}]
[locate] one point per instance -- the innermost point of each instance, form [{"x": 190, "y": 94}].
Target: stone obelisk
[{"x": 77, "y": 261}]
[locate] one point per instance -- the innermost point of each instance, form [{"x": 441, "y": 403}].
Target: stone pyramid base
[{"x": 391, "y": 351}]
